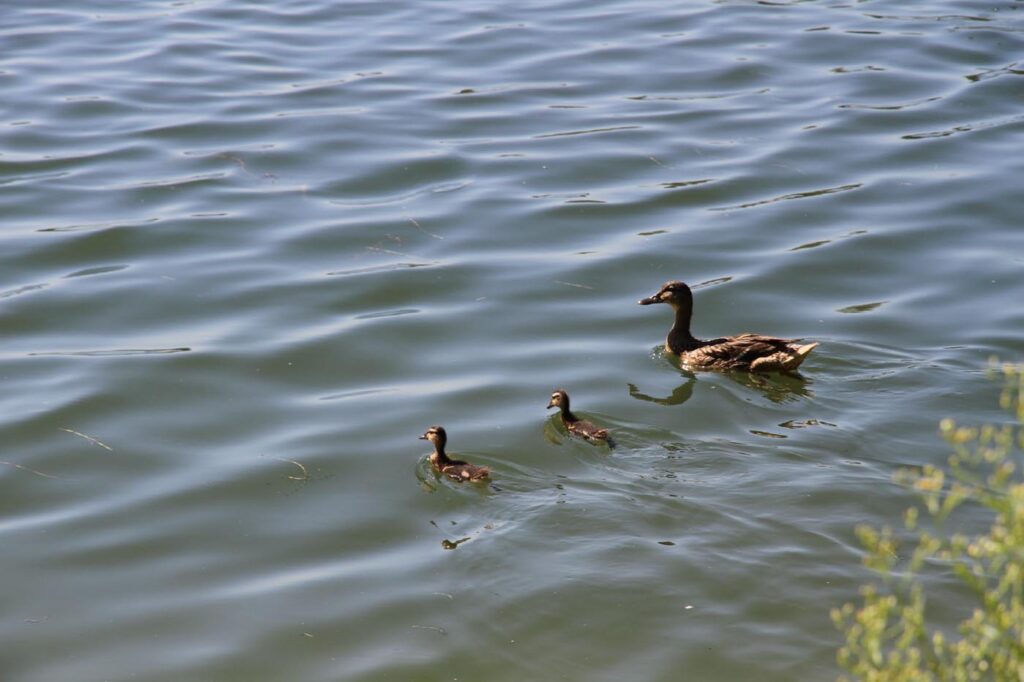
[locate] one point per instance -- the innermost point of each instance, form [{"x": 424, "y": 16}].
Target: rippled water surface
[{"x": 250, "y": 251}]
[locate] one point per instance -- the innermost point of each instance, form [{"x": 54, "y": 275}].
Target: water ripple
[
  {"x": 116, "y": 352},
  {"x": 591, "y": 131},
  {"x": 795, "y": 195},
  {"x": 328, "y": 225},
  {"x": 965, "y": 128},
  {"x": 438, "y": 188}
]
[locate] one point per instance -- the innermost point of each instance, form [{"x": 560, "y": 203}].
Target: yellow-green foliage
[{"x": 888, "y": 638}]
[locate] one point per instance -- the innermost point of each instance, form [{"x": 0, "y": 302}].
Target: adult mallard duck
[
  {"x": 751, "y": 352},
  {"x": 455, "y": 469},
  {"x": 573, "y": 424}
]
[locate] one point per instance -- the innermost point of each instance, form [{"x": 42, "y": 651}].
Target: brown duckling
[
  {"x": 751, "y": 352},
  {"x": 575, "y": 425},
  {"x": 455, "y": 469}
]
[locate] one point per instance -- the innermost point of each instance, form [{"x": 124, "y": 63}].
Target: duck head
[
  {"x": 559, "y": 398},
  {"x": 677, "y": 294},
  {"x": 436, "y": 435}
]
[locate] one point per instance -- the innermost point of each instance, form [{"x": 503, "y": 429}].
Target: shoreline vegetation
[{"x": 893, "y": 636}]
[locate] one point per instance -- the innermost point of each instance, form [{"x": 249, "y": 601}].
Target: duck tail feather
[{"x": 800, "y": 354}]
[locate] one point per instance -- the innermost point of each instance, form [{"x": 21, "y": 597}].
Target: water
[{"x": 250, "y": 252}]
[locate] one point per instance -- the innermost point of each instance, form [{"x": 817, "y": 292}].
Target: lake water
[{"x": 250, "y": 251}]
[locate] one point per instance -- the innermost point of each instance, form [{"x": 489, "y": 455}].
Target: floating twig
[
  {"x": 240, "y": 162},
  {"x": 305, "y": 474},
  {"x": 25, "y": 468},
  {"x": 571, "y": 284},
  {"x": 435, "y": 236},
  {"x": 453, "y": 544},
  {"x": 394, "y": 253},
  {"x": 92, "y": 440}
]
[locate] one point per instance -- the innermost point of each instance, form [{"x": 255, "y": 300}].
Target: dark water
[{"x": 251, "y": 250}]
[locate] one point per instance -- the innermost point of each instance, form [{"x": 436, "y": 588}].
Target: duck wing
[
  {"x": 588, "y": 430},
  {"x": 751, "y": 351},
  {"x": 463, "y": 471}
]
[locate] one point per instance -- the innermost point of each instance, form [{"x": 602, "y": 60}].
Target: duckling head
[
  {"x": 436, "y": 435},
  {"x": 559, "y": 398},
  {"x": 675, "y": 293}
]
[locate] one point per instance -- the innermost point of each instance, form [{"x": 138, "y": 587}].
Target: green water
[{"x": 250, "y": 251}]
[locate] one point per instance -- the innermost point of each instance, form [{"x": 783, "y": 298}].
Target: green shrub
[{"x": 889, "y": 638}]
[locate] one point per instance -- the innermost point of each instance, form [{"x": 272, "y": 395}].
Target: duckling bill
[
  {"x": 455, "y": 469},
  {"x": 573, "y": 424},
  {"x": 750, "y": 352}
]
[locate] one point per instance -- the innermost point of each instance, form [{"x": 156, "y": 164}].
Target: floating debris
[
  {"x": 449, "y": 544},
  {"x": 25, "y": 468},
  {"x": 305, "y": 474},
  {"x": 804, "y": 423},
  {"x": 92, "y": 440}
]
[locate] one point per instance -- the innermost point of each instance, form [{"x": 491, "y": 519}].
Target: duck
[
  {"x": 455, "y": 469},
  {"x": 575, "y": 425},
  {"x": 750, "y": 352}
]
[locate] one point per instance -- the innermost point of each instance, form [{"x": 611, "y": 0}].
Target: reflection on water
[
  {"x": 779, "y": 387},
  {"x": 678, "y": 396}
]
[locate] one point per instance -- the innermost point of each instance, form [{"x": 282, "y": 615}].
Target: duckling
[
  {"x": 751, "y": 352},
  {"x": 575, "y": 425},
  {"x": 455, "y": 469}
]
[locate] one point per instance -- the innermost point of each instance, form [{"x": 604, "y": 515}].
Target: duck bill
[
  {"x": 551, "y": 403},
  {"x": 423, "y": 437},
  {"x": 649, "y": 300}
]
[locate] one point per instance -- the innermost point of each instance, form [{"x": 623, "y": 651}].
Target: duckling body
[
  {"x": 750, "y": 352},
  {"x": 455, "y": 469},
  {"x": 573, "y": 424}
]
